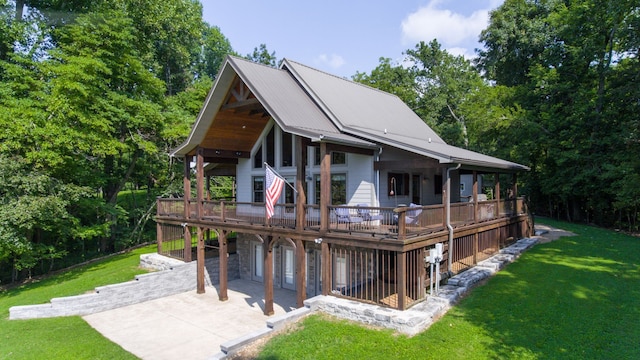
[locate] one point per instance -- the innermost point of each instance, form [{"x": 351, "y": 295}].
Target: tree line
[
  {"x": 555, "y": 87},
  {"x": 94, "y": 95}
]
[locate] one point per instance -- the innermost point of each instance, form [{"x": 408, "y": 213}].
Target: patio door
[
  {"x": 288, "y": 273},
  {"x": 257, "y": 261},
  {"x": 316, "y": 287}
]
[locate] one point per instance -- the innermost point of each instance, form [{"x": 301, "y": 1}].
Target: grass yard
[
  {"x": 574, "y": 298},
  {"x": 66, "y": 337}
]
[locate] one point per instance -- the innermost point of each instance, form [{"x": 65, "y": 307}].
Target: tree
[
  {"x": 262, "y": 56},
  {"x": 565, "y": 62}
]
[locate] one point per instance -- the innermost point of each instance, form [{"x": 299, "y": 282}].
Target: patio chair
[
  {"x": 412, "y": 215},
  {"x": 365, "y": 213},
  {"x": 344, "y": 217}
]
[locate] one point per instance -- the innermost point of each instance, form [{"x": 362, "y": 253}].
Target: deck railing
[{"x": 397, "y": 222}]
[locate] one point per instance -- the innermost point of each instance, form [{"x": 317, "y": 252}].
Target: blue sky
[{"x": 346, "y": 36}]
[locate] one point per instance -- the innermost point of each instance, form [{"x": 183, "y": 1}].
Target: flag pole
[{"x": 281, "y": 177}]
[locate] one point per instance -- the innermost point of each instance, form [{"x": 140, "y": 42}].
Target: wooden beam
[
  {"x": 242, "y": 104},
  {"x": 187, "y": 243},
  {"x": 199, "y": 182},
  {"x": 225, "y": 154},
  {"x": 187, "y": 186},
  {"x": 224, "y": 269}
]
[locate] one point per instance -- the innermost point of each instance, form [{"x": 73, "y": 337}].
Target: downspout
[
  {"x": 377, "y": 185},
  {"x": 448, "y": 210}
]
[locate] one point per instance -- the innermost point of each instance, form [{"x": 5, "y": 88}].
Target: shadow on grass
[{"x": 577, "y": 297}]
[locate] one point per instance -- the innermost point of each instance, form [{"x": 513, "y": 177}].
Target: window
[
  {"x": 437, "y": 184},
  {"x": 398, "y": 184},
  {"x": 337, "y": 157},
  {"x": 287, "y": 149},
  {"x": 289, "y": 194},
  {"x": 257, "y": 158},
  {"x": 258, "y": 189},
  {"x": 338, "y": 189},
  {"x": 270, "y": 143},
  {"x": 266, "y": 151}
]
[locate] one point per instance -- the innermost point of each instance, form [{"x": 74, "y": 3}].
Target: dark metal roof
[{"x": 320, "y": 106}]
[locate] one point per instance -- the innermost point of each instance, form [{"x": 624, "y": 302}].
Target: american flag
[{"x": 274, "y": 188}]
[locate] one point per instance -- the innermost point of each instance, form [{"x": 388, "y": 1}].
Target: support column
[
  {"x": 301, "y": 273},
  {"x": 200, "y": 262},
  {"x": 496, "y": 191},
  {"x": 199, "y": 182},
  {"x": 301, "y": 198},
  {"x": 325, "y": 186},
  {"x": 224, "y": 260},
  {"x": 514, "y": 191},
  {"x": 187, "y": 207},
  {"x": 268, "y": 275}
]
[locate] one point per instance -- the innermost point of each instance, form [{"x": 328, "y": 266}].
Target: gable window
[
  {"x": 257, "y": 158},
  {"x": 337, "y": 157},
  {"x": 266, "y": 150},
  {"x": 270, "y": 146},
  {"x": 287, "y": 149},
  {"x": 398, "y": 184},
  {"x": 258, "y": 189},
  {"x": 338, "y": 189}
]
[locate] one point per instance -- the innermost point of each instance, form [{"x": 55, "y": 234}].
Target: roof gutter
[{"x": 448, "y": 212}]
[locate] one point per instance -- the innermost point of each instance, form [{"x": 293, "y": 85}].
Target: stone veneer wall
[{"x": 173, "y": 277}]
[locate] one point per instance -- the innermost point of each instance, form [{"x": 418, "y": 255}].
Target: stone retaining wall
[{"x": 174, "y": 277}]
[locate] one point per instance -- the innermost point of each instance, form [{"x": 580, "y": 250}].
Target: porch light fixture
[
  {"x": 238, "y": 153},
  {"x": 393, "y": 187},
  {"x": 318, "y": 240},
  {"x": 218, "y": 152}
]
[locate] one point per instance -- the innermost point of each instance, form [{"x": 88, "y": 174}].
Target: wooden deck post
[
  {"x": 514, "y": 190},
  {"x": 200, "y": 262},
  {"x": 268, "y": 275},
  {"x": 301, "y": 273},
  {"x": 301, "y": 199},
  {"x": 199, "y": 181},
  {"x": 401, "y": 259},
  {"x": 325, "y": 186},
  {"x": 187, "y": 186},
  {"x": 223, "y": 260}
]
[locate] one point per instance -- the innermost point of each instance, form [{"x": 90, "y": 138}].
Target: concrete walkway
[{"x": 189, "y": 325}]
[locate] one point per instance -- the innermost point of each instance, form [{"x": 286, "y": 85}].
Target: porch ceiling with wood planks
[{"x": 236, "y": 126}]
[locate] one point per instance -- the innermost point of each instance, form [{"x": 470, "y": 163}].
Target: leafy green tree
[
  {"x": 215, "y": 47},
  {"x": 568, "y": 63},
  {"x": 261, "y": 55}
]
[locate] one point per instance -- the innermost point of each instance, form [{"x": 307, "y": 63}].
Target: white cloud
[
  {"x": 451, "y": 29},
  {"x": 334, "y": 61}
]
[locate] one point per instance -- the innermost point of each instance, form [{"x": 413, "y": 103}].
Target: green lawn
[
  {"x": 574, "y": 298},
  {"x": 66, "y": 337}
]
